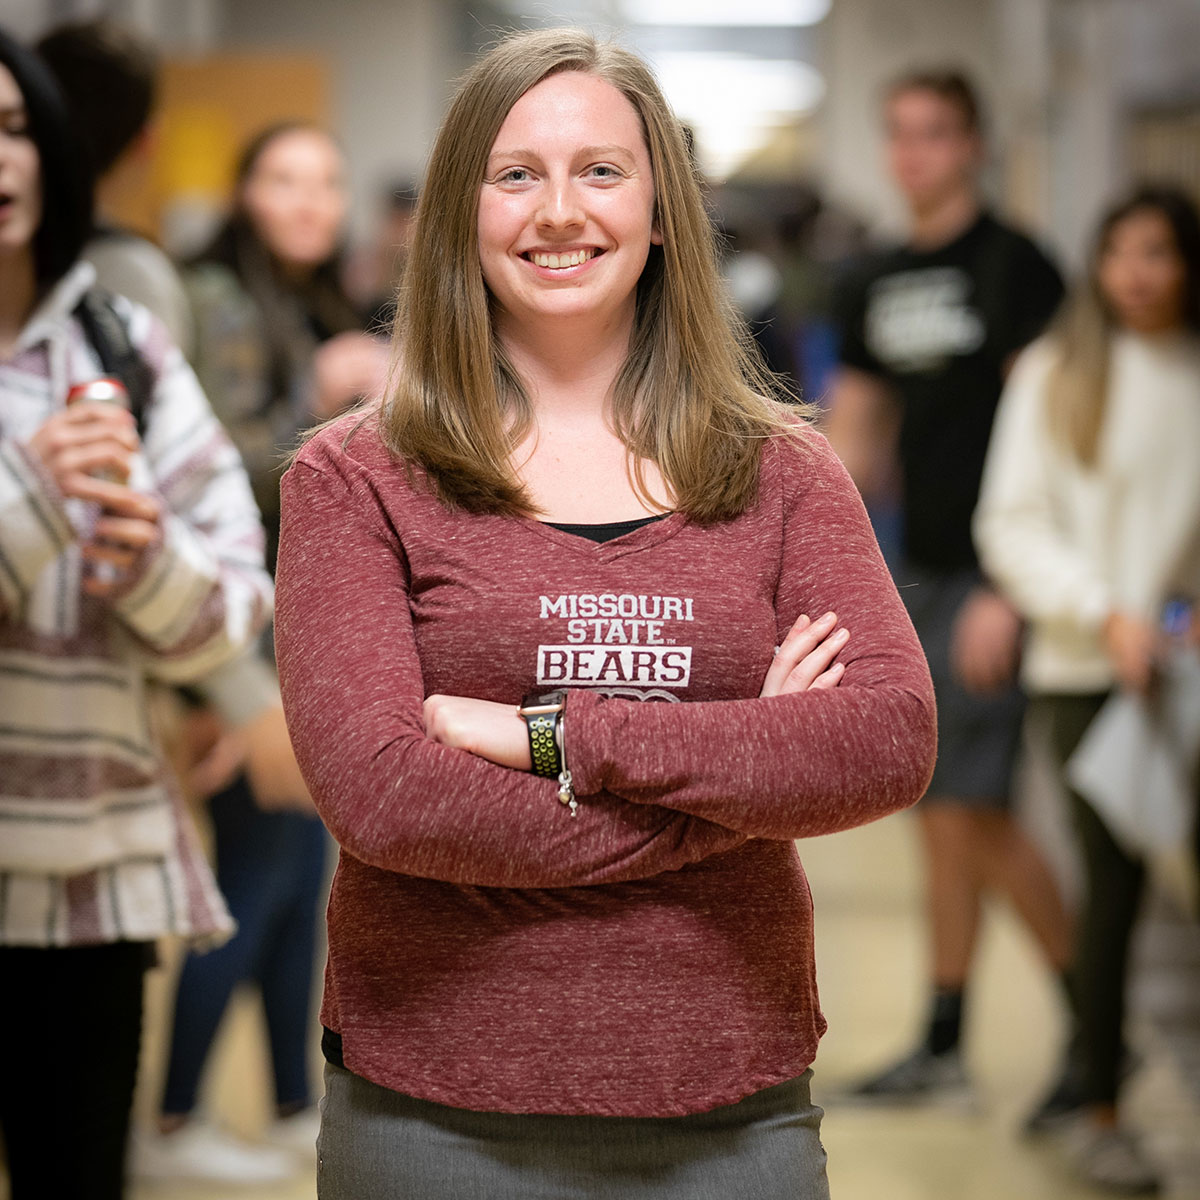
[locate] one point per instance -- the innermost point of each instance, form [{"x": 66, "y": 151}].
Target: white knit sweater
[{"x": 1069, "y": 544}]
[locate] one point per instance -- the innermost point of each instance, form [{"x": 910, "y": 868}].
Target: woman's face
[
  {"x": 1142, "y": 274},
  {"x": 566, "y": 211},
  {"x": 295, "y": 197},
  {"x": 20, "y": 173}
]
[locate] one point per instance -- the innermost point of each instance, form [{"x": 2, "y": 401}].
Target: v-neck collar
[{"x": 642, "y": 538}]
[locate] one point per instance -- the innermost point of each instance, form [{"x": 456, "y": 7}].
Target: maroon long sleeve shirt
[{"x": 654, "y": 955}]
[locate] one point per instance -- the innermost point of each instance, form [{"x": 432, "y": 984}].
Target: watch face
[{"x": 537, "y": 703}]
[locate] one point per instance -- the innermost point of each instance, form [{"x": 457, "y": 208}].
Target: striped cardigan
[{"x": 95, "y": 844}]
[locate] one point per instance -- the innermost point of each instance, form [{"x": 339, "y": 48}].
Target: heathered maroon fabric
[{"x": 653, "y": 956}]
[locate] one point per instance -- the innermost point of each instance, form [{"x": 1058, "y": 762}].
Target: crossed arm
[{"x": 433, "y": 788}]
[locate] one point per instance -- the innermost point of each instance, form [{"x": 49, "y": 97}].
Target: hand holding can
[
  {"x": 93, "y": 438},
  {"x": 88, "y": 449}
]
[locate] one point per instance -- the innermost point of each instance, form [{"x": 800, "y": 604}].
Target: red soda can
[{"x": 104, "y": 390}]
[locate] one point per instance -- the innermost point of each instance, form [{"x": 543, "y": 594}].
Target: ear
[{"x": 656, "y": 237}]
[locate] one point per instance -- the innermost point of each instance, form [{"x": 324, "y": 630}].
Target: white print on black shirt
[
  {"x": 916, "y": 320},
  {"x": 617, "y": 641}
]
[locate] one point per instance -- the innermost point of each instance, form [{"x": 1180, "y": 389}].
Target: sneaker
[
  {"x": 296, "y": 1134},
  {"x": 921, "y": 1078},
  {"x": 1061, "y": 1105},
  {"x": 1111, "y": 1159},
  {"x": 201, "y": 1151},
  {"x": 1066, "y": 1101}
]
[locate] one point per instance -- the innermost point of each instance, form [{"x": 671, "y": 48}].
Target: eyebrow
[{"x": 584, "y": 152}]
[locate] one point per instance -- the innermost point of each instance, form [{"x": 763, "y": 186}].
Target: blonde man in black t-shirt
[{"x": 929, "y": 330}]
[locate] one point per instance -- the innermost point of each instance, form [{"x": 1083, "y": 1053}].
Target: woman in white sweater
[{"x": 1089, "y": 519}]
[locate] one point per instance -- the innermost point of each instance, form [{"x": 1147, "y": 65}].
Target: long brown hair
[
  {"x": 1077, "y": 386},
  {"x": 693, "y": 397}
]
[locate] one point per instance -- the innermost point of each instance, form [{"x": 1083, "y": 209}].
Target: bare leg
[
  {"x": 953, "y": 888},
  {"x": 934, "y": 1069},
  {"x": 1013, "y": 866}
]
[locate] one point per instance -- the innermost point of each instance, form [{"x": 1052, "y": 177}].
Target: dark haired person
[
  {"x": 232, "y": 725},
  {"x": 1089, "y": 518},
  {"x": 123, "y": 557},
  {"x": 109, "y": 76},
  {"x": 597, "y": 979},
  {"x": 279, "y": 346},
  {"x": 929, "y": 330}
]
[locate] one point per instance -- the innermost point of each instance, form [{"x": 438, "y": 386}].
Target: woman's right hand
[
  {"x": 805, "y": 660},
  {"x": 83, "y": 441}
]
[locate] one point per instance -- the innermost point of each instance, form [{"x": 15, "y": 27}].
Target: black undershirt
[
  {"x": 607, "y": 530},
  {"x": 331, "y": 1043}
]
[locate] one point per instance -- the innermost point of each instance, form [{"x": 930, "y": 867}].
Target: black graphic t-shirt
[{"x": 940, "y": 327}]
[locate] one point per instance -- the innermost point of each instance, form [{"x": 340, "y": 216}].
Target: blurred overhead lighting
[
  {"x": 735, "y": 102},
  {"x": 724, "y": 12}
]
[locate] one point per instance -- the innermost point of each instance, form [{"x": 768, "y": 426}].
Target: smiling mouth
[{"x": 559, "y": 262}]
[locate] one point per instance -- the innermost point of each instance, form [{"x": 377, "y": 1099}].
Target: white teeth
[{"x": 558, "y": 261}]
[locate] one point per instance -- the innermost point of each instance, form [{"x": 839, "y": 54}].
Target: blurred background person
[
  {"x": 109, "y": 76},
  {"x": 374, "y": 271},
  {"x": 279, "y": 346},
  {"x": 129, "y": 549},
  {"x": 928, "y": 332},
  {"x": 279, "y": 343},
  {"x": 1089, "y": 519},
  {"x": 230, "y": 723}
]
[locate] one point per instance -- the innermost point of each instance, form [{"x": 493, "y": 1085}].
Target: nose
[{"x": 560, "y": 207}]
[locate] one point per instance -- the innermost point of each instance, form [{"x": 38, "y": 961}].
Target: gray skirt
[{"x": 376, "y": 1144}]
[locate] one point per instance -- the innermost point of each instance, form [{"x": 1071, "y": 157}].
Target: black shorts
[{"x": 978, "y": 736}]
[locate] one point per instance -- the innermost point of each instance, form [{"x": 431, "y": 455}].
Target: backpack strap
[{"x": 108, "y": 335}]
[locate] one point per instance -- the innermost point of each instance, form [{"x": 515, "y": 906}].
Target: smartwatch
[{"x": 544, "y": 714}]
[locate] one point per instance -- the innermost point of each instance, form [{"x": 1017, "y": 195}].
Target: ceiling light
[{"x": 724, "y": 12}]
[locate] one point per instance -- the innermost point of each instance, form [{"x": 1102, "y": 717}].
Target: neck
[
  {"x": 18, "y": 297},
  {"x": 1156, "y": 330},
  {"x": 568, "y": 366},
  {"x": 296, "y": 274},
  {"x": 940, "y": 221}
]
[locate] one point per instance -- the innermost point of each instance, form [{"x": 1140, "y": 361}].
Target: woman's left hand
[{"x": 492, "y": 731}]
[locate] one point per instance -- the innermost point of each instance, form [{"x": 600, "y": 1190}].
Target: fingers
[
  {"x": 120, "y": 543},
  {"x": 803, "y": 640},
  {"x": 84, "y": 423},
  {"x": 830, "y": 678},
  {"x": 125, "y": 531},
  {"x": 89, "y": 422},
  {"x": 116, "y": 542},
  {"x": 816, "y": 663},
  {"x": 117, "y": 499},
  {"x": 101, "y": 460},
  {"x": 802, "y": 636}
]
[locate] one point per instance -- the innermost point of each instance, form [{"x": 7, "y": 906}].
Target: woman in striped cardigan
[{"x": 104, "y": 585}]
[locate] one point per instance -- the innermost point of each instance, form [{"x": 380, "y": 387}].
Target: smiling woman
[
  {"x": 570, "y": 936},
  {"x": 538, "y": 202}
]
